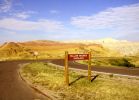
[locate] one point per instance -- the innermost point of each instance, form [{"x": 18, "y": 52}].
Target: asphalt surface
[
  {"x": 13, "y": 88},
  {"x": 115, "y": 70},
  {"x": 11, "y": 85}
]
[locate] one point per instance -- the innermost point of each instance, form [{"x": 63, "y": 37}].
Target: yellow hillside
[{"x": 52, "y": 49}]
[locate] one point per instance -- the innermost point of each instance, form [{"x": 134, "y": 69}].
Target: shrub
[{"x": 121, "y": 62}]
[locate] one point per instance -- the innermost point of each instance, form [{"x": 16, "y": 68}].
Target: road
[
  {"x": 115, "y": 70},
  {"x": 11, "y": 85},
  {"x": 13, "y": 88}
]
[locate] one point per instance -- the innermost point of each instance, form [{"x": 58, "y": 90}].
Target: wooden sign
[
  {"x": 71, "y": 57},
  {"x": 78, "y": 57}
]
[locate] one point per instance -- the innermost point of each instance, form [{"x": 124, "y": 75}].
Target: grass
[
  {"x": 104, "y": 87},
  {"x": 114, "y": 62},
  {"x": 135, "y": 61}
]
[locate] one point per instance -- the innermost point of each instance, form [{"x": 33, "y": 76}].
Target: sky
[{"x": 25, "y": 20}]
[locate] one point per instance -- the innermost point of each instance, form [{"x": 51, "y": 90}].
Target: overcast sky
[{"x": 23, "y": 20}]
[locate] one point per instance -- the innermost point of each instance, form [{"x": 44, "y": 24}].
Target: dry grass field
[{"x": 103, "y": 87}]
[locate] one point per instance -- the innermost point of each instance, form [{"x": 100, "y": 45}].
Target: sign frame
[{"x": 73, "y": 57}]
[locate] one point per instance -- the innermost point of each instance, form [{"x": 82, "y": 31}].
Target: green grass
[{"x": 104, "y": 87}]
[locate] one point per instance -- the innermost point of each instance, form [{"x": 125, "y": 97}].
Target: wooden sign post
[
  {"x": 73, "y": 57},
  {"x": 89, "y": 67},
  {"x": 66, "y": 69}
]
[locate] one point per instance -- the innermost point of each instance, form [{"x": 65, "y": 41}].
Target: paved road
[
  {"x": 119, "y": 70},
  {"x": 11, "y": 85},
  {"x": 13, "y": 88}
]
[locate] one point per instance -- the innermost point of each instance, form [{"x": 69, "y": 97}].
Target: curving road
[
  {"x": 13, "y": 88},
  {"x": 11, "y": 85}
]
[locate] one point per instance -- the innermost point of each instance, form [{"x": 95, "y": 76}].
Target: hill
[
  {"x": 10, "y": 45},
  {"x": 40, "y": 43},
  {"x": 124, "y": 47},
  {"x": 51, "y": 49},
  {"x": 12, "y": 49}
]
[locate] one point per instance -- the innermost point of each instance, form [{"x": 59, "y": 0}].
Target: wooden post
[
  {"x": 66, "y": 69},
  {"x": 89, "y": 67}
]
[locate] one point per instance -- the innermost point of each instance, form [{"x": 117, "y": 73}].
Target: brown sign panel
[{"x": 78, "y": 57}]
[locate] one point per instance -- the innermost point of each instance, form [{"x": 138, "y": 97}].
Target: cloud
[
  {"x": 24, "y": 14},
  {"x": 54, "y": 11},
  {"x": 6, "y": 6},
  {"x": 121, "y": 18},
  {"x": 22, "y": 25},
  {"x": 12, "y": 33}
]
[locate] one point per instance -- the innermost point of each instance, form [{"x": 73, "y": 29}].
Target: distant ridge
[
  {"x": 39, "y": 43},
  {"x": 124, "y": 47},
  {"x": 105, "y": 40}
]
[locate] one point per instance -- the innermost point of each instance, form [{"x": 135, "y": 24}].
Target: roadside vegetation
[
  {"x": 130, "y": 62},
  {"x": 103, "y": 87}
]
